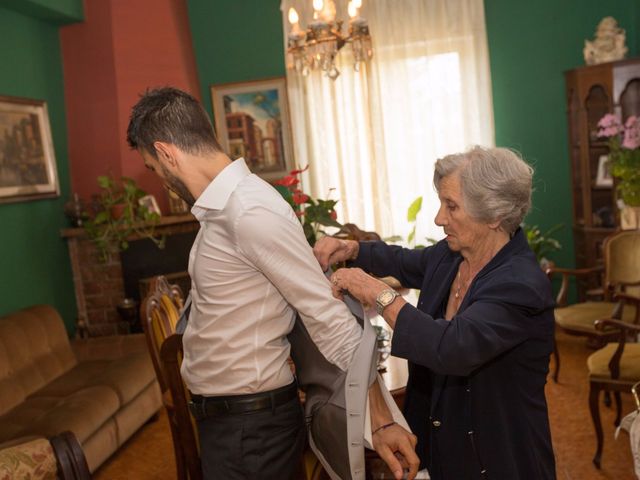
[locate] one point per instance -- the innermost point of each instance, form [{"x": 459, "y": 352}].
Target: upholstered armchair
[
  {"x": 614, "y": 368},
  {"x": 59, "y": 457},
  {"x": 620, "y": 274}
]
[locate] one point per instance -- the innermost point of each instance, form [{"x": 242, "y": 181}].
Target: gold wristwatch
[{"x": 384, "y": 299}]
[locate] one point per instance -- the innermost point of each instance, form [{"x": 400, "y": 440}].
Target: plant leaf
[
  {"x": 411, "y": 236},
  {"x": 414, "y": 209}
]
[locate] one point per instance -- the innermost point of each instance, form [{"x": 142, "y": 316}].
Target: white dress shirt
[{"x": 252, "y": 269}]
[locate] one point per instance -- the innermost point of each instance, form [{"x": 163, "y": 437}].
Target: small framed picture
[
  {"x": 149, "y": 201},
  {"x": 603, "y": 176}
]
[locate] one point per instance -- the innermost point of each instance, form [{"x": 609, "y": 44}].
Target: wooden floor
[{"x": 148, "y": 455}]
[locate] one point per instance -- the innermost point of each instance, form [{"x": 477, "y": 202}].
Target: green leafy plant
[
  {"x": 624, "y": 155},
  {"x": 313, "y": 213},
  {"x": 541, "y": 243},
  {"x": 120, "y": 216}
]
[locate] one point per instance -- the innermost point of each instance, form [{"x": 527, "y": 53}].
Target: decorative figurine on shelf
[{"x": 609, "y": 44}]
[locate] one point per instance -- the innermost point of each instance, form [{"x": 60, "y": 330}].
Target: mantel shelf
[{"x": 165, "y": 221}]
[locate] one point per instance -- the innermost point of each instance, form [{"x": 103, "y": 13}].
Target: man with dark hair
[{"x": 251, "y": 271}]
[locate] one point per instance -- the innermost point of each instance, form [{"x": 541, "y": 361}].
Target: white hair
[{"x": 495, "y": 183}]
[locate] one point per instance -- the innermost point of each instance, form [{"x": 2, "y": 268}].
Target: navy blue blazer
[{"x": 475, "y": 394}]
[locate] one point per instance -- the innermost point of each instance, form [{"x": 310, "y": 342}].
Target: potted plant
[
  {"x": 541, "y": 243},
  {"x": 624, "y": 163},
  {"x": 313, "y": 213},
  {"x": 119, "y": 215}
]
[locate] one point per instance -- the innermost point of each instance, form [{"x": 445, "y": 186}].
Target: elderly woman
[{"x": 479, "y": 340}]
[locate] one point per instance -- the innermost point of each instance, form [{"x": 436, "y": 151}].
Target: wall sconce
[{"x": 317, "y": 47}]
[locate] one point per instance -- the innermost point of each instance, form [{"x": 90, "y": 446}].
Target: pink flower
[
  {"x": 631, "y": 133},
  {"x": 333, "y": 214},
  {"x": 609, "y": 120},
  {"x": 609, "y": 125}
]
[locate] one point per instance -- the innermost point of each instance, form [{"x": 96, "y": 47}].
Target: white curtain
[{"x": 374, "y": 135}]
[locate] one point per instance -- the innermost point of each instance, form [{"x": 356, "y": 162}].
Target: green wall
[
  {"x": 531, "y": 44},
  {"x": 236, "y": 41},
  {"x": 34, "y": 263},
  {"x": 57, "y": 11}
]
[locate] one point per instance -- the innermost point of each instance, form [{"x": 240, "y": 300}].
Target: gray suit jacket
[{"x": 336, "y": 401}]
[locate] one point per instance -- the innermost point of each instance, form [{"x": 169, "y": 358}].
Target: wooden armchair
[
  {"x": 614, "y": 368},
  {"x": 160, "y": 313},
  {"x": 58, "y": 457},
  {"x": 620, "y": 273}
]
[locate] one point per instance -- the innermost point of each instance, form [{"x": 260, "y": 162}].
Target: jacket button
[{"x": 436, "y": 423}]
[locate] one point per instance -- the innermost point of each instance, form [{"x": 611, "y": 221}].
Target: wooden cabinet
[{"x": 591, "y": 92}]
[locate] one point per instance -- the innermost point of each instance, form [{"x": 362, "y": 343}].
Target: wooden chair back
[
  {"x": 622, "y": 262},
  {"x": 160, "y": 312},
  {"x": 171, "y": 354}
]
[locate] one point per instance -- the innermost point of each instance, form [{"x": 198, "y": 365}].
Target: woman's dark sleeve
[
  {"x": 502, "y": 316},
  {"x": 404, "y": 264}
]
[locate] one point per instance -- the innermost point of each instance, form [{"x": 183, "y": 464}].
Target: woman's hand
[
  {"x": 365, "y": 289},
  {"x": 330, "y": 250},
  {"x": 361, "y": 286}
]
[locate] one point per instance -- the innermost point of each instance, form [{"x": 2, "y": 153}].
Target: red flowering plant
[
  {"x": 624, "y": 154},
  {"x": 313, "y": 213}
]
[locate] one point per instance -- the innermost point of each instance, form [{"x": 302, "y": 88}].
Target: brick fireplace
[{"x": 101, "y": 286}]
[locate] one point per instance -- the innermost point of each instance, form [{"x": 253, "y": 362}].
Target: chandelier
[{"x": 317, "y": 47}]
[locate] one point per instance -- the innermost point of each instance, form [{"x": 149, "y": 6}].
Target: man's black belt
[{"x": 203, "y": 407}]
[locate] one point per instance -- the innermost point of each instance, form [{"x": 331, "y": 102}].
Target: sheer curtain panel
[{"x": 371, "y": 137}]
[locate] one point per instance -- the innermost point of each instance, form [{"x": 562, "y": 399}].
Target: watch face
[{"x": 386, "y": 297}]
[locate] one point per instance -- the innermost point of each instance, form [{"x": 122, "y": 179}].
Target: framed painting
[
  {"x": 252, "y": 121},
  {"x": 27, "y": 160}
]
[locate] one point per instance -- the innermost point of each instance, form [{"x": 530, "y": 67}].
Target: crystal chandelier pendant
[{"x": 318, "y": 46}]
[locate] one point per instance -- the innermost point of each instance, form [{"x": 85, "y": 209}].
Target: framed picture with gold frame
[
  {"x": 252, "y": 122},
  {"x": 27, "y": 159}
]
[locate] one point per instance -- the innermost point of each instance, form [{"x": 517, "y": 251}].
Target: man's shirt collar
[{"x": 217, "y": 193}]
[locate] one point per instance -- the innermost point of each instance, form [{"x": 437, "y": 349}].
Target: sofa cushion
[
  {"x": 82, "y": 412},
  {"x": 34, "y": 350},
  {"x": 126, "y": 376}
]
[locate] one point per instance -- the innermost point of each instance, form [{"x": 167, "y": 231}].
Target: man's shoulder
[{"x": 254, "y": 193}]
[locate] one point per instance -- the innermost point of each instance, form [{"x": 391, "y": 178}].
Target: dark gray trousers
[{"x": 262, "y": 445}]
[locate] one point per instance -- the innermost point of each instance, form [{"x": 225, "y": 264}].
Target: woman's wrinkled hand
[
  {"x": 357, "y": 283},
  {"x": 330, "y": 250}
]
